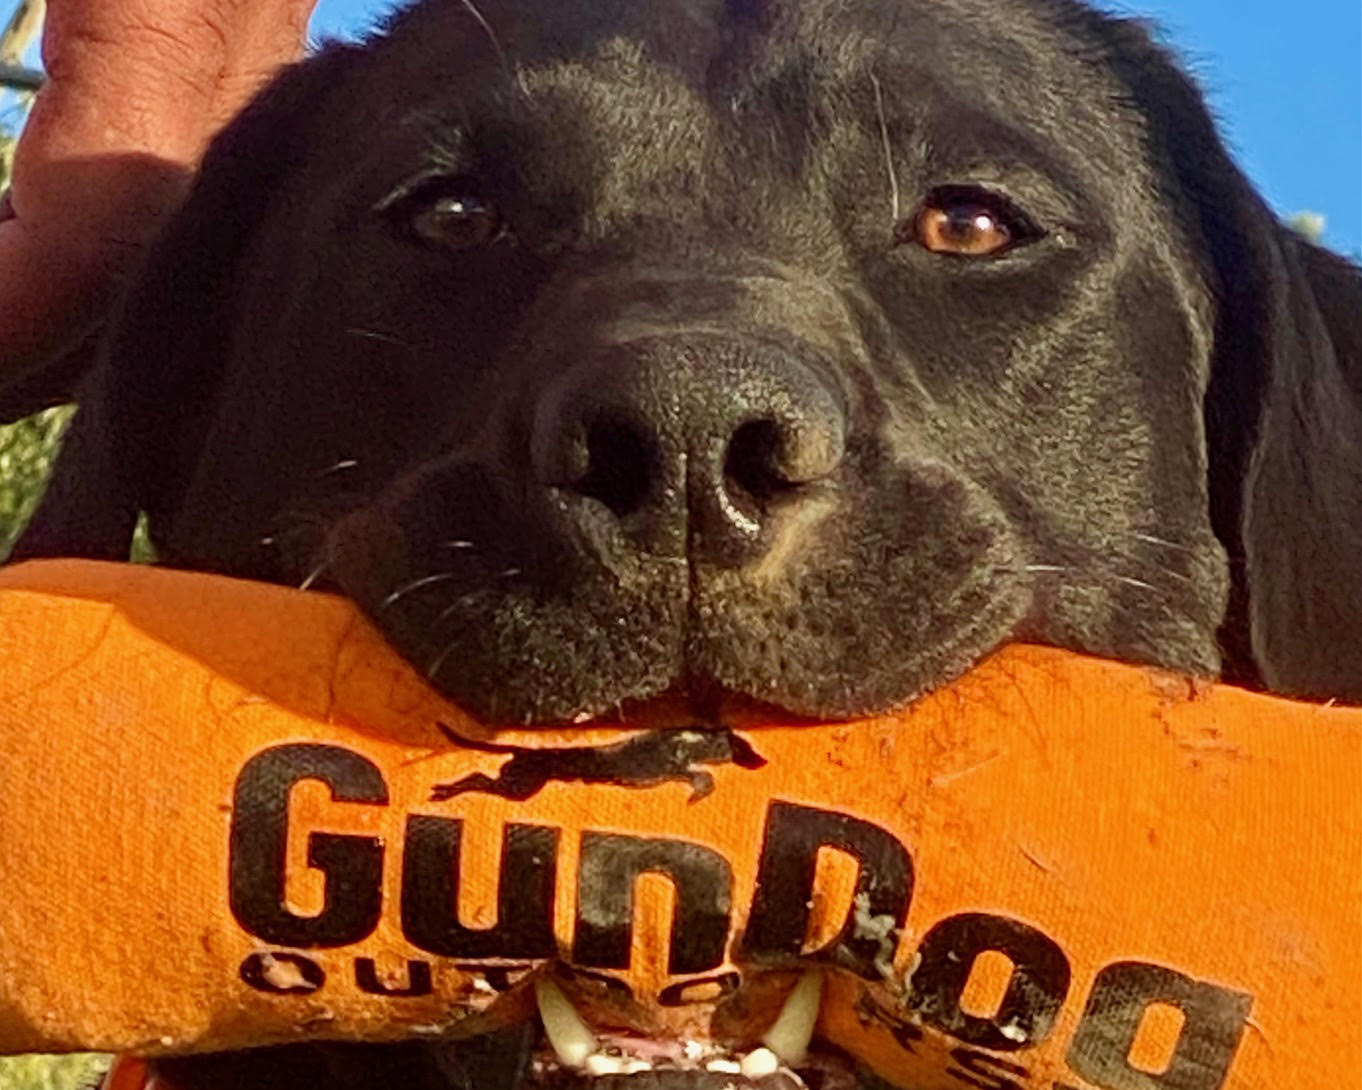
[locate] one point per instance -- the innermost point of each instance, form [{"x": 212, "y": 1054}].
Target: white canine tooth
[
  {"x": 790, "y": 1034},
  {"x": 724, "y": 1067},
  {"x": 598, "y": 1064},
  {"x": 567, "y": 1033},
  {"x": 759, "y": 1063}
]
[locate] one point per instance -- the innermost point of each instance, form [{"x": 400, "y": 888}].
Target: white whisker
[
  {"x": 1131, "y": 581},
  {"x": 315, "y": 574},
  {"x": 888, "y": 150},
  {"x": 1166, "y": 544},
  {"x": 344, "y": 463},
  {"x": 415, "y": 584},
  {"x": 487, "y": 27},
  {"x": 457, "y": 604},
  {"x": 379, "y": 335},
  {"x": 1045, "y": 567},
  {"x": 460, "y": 544},
  {"x": 440, "y": 660}
]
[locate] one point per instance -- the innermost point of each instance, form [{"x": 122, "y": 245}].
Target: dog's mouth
[
  {"x": 558, "y": 1045},
  {"x": 571, "y": 1053}
]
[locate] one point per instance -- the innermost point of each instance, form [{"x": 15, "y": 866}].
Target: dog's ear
[
  {"x": 1302, "y": 500},
  {"x": 1283, "y": 410},
  {"x": 47, "y": 385},
  {"x": 1284, "y": 432},
  {"x": 145, "y": 407}
]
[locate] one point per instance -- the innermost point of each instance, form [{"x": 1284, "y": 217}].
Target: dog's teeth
[
  {"x": 759, "y": 1063},
  {"x": 563, "y": 1026},
  {"x": 790, "y": 1034},
  {"x": 599, "y": 1065}
]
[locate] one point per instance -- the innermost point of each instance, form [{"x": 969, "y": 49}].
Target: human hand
[{"x": 135, "y": 90}]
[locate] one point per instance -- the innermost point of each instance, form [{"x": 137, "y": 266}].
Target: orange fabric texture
[{"x": 230, "y": 816}]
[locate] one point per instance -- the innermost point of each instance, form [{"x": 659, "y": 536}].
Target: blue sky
[{"x": 1285, "y": 80}]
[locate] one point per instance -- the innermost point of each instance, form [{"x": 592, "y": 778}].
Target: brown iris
[
  {"x": 967, "y": 230},
  {"x": 969, "y": 222}
]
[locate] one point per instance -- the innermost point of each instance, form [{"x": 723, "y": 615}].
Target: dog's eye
[
  {"x": 449, "y": 217},
  {"x": 970, "y": 222},
  {"x": 457, "y": 222}
]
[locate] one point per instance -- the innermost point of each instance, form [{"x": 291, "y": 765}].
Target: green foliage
[
  {"x": 51, "y": 1072},
  {"x": 27, "y": 449}
]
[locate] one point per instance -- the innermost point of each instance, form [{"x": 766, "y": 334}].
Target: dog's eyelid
[{"x": 426, "y": 183}]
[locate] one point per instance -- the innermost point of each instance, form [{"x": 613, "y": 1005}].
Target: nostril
[
  {"x": 617, "y": 467},
  {"x": 752, "y": 465}
]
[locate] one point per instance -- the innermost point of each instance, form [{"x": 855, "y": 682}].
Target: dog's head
[{"x": 800, "y": 351}]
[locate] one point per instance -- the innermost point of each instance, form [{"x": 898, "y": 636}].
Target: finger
[{"x": 135, "y": 90}]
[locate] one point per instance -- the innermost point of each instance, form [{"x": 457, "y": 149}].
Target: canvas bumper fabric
[{"x": 230, "y": 816}]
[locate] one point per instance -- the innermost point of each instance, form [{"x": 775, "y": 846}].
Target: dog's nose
[{"x": 692, "y": 447}]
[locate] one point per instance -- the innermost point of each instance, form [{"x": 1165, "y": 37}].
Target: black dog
[{"x": 804, "y": 351}]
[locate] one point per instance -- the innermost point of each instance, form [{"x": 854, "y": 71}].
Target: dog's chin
[
  {"x": 512, "y": 659},
  {"x": 530, "y": 628}
]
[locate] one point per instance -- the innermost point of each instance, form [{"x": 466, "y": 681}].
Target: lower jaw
[
  {"x": 554, "y": 1050},
  {"x": 825, "y": 1068}
]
